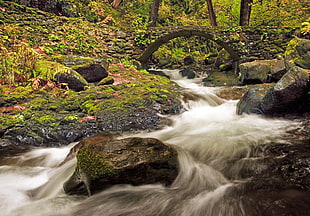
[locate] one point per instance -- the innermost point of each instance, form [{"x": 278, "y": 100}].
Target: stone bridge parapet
[{"x": 243, "y": 43}]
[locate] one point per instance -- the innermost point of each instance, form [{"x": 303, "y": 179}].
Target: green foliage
[
  {"x": 279, "y": 13},
  {"x": 305, "y": 29},
  {"x": 17, "y": 65},
  {"x": 177, "y": 49},
  {"x": 227, "y": 12}
]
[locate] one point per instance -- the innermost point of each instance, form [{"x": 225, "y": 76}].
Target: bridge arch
[{"x": 185, "y": 32}]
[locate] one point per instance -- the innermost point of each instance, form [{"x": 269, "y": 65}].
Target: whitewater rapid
[{"x": 213, "y": 144}]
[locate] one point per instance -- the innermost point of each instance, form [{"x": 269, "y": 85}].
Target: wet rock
[
  {"x": 8, "y": 148},
  {"x": 188, "y": 60},
  {"x": 232, "y": 92},
  {"x": 287, "y": 94},
  {"x": 254, "y": 72},
  {"x": 250, "y": 102},
  {"x": 190, "y": 74},
  {"x": 103, "y": 161},
  {"x": 159, "y": 73},
  {"x": 298, "y": 53}
]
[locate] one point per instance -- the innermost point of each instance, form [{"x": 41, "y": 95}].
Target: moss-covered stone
[
  {"x": 93, "y": 164},
  {"x": 53, "y": 116},
  {"x": 221, "y": 79},
  {"x": 104, "y": 161},
  {"x": 298, "y": 53}
]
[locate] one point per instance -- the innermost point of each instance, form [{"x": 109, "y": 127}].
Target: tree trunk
[
  {"x": 245, "y": 12},
  {"x": 154, "y": 12},
  {"x": 116, "y": 3},
  {"x": 212, "y": 16}
]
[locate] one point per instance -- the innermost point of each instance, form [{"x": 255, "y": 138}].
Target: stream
[{"x": 224, "y": 169}]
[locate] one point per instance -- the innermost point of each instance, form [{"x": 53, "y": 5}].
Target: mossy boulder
[
  {"x": 106, "y": 81},
  {"x": 298, "y": 53},
  {"x": 223, "y": 58},
  {"x": 103, "y": 161},
  {"x": 221, "y": 79},
  {"x": 58, "y": 116},
  {"x": 92, "y": 69},
  {"x": 60, "y": 73}
]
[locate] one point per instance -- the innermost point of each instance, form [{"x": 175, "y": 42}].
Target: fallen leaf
[{"x": 88, "y": 118}]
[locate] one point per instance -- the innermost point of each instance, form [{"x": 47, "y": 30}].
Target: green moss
[
  {"x": 93, "y": 163},
  {"x": 11, "y": 120},
  {"x": 221, "y": 79},
  {"x": 90, "y": 107},
  {"x": 72, "y": 117},
  {"x": 46, "y": 69},
  {"x": 46, "y": 119}
]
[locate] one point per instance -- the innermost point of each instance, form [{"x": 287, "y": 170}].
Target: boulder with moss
[
  {"x": 57, "y": 116},
  {"x": 92, "y": 69},
  {"x": 60, "y": 73},
  {"x": 298, "y": 53},
  {"x": 223, "y": 61},
  {"x": 103, "y": 161}
]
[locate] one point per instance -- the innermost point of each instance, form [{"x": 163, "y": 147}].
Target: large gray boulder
[
  {"x": 297, "y": 53},
  {"x": 262, "y": 71},
  {"x": 287, "y": 94},
  {"x": 103, "y": 161},
  {"x": 253, "y": 72}
]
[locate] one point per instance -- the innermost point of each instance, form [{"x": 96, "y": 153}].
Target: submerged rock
[
  {"x": 9, "y": 149},
  {"x": 103, "y": 161}
]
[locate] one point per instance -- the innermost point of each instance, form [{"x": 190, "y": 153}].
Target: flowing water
[{"x": 216, "y": 148}]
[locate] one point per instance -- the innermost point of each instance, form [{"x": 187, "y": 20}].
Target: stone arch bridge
[{"x": 242, "y": 43}]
